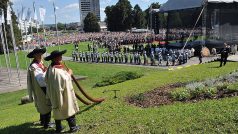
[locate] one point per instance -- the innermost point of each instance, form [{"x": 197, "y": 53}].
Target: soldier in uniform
[
  {"x": 168, "y": 60},
  {"x": 103, "y": 57},
  {"x": 37, "y": 87},
  {"x": 119, "y": 57},
  {"x": 111, "y": 56},
  {"x": 84, "y": 56},
  {"x": 61, "y": 93},
  {"x": 116, "y": 57},
  {"x": 145, "y": 58},
  {"x": 87, "y": 54},
  {"x": 126, "y": 57},
  {"x": 139, "y": 59},
  {"x": 74, "y": 56},
  {"x": 173, "y": 57},
  {"x": 131, "y": 58},
  {"x": 80, "y": 56},
  {"x": 180, "y": 58},
  {"x": 122, "y": 57},
  {"x": 160, "y": 58},
  {"x": 98, "y": 57},
  {"x": 152, "y": 57}
]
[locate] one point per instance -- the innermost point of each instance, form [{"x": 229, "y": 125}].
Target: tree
[
  {"x": 138, "y": 17},
  {"x": 60, "y": 26},
  {"x": 16, "y": 30},
  {"x": 119, "y": 16},
  {"x": 91, "y": 23}
]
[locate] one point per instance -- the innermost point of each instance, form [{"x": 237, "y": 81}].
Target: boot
[
  {"x": 47, "y": 123},
  {"x": 42, "y": 119},
  {"x": 59, "y": 127},
  {"x": 72, "y": 124}
]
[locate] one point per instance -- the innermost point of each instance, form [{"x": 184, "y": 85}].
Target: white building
[{"x": 87, "y": 6}]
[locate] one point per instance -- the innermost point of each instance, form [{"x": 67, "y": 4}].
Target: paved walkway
[{"x": 13, "y": 84}]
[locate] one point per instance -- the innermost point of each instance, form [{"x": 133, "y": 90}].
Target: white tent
[{"x": 186, "y": 4}]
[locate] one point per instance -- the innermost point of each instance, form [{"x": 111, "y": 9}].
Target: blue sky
[{"x": 69, "y": 10}]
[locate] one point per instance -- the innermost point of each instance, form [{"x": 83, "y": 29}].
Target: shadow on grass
[
  {"x": 88, "y": 108},
  {"x": 215, "y": 66},
  {"x": 26, "y": 128}
]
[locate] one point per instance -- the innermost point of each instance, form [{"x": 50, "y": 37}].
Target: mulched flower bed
[{"x": 161, "y": 96}]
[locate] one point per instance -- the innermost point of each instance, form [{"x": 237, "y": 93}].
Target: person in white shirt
[{"x": 36, "y": 86}]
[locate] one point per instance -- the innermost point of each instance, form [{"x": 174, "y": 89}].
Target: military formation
[
  {"x": 52, "y": 91},
  {"x": 159, "y": 56}
]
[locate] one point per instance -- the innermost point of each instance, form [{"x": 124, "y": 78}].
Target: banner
[
  {"x": 2, "y": 17},
  {"x": 18, "y": 16},
  {"x": 22, "y": 14},
  {"x": 42, "y": 14},
  {"x": 28, "y": 15},
  {"x": 35, "y": 14},
  {"x": 9, "y": 15}
]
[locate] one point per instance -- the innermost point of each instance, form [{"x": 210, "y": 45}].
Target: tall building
[{"x": 87, "y": 6}]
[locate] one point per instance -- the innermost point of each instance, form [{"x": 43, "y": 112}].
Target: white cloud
[
  {"x": 102, "y": 9},
  {"x": 72, "y": 6},
  {"x": 145, "y": 0}
]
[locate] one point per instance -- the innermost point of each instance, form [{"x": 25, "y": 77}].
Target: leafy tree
[
  {"x": 119, "y": 16},
  {"x": 60, "y": 26},
  {"x": 16, "y": 30},
  {"x": 91, "y": 23},
  {"x": 138, "y": 17}
]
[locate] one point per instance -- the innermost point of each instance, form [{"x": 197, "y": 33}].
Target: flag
[
  {"x": 2, "y": 17},
  {"x": 18, "y": 16},
  {"x": 55, "y": 8},
  {"x": 23, "y": 17},
  {"x": 9, "y": 15},
  {"x": 28, "y": 15},
  {"x": 35, "y": 14},
  {"x": 42, "y": 14}
]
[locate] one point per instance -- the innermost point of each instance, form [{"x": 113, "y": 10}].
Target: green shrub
[
  {"x": 221, "y": 86},
  {"x": 140, "y": 97},
  {"x": 180, "y": 94},
  {"x": 118, "y": 78},
  {"x": 210, "y": 92},
  {"x": 195, "y": 89},
  {"x": 232, "y": 88}
]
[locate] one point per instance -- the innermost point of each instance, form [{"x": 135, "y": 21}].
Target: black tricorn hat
[
  {"x": 36, "y": 51},
  {"x": 54, "y": 54}
]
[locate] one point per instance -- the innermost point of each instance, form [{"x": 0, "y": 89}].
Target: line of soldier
[{"x": 171, "y": 57}]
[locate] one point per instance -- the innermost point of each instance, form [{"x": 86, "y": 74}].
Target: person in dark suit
[{"x": 224, "y": 55}]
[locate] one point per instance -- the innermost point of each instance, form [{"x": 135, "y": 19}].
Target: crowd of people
[{"x": 108, "y": 39}]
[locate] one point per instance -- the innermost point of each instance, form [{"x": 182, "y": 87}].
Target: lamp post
[{"x": 166, "y": 14}]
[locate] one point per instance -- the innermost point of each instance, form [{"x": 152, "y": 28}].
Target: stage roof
[{"x": 186, "y": 4}]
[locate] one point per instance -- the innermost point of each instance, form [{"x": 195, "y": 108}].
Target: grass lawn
[{"x": 117, "y": 116}]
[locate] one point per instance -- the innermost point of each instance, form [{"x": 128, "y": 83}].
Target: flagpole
[
  {"x": 23, "y": 42},
  {"x": 9, "y": 59},
  {"x": 56, "y": 28},
  {"x": 14, "y": 46},
  {"x": 4, "y": 51},
  {"x": 35, "y": 19}
]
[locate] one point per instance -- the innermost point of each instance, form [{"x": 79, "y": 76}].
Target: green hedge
[{"x": 118, "y": 78}]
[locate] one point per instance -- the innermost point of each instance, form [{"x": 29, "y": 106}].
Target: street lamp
[{"x": 166, "y": 14}]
